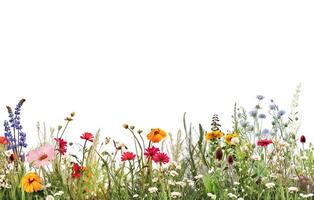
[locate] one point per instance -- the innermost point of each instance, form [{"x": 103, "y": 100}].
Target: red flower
[
  {"x": 3, "y": 140},
  {"x": 264, "y": 143},
  {"x": 151, "y": 151},
  {"x": 76, "y": 171},
  {"x": 302, "y": 139},
  {"x": 62, "y": 145},
  {"x": 161, "y": 158},
  {"x": 128, "y": 156},
  {"x": 87, "y": 136}
]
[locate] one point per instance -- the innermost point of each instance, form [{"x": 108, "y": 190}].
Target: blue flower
[
  {"x": 262, "y": 116},
  {"x": 280, "y": 113},
  {"x": 260, "y": 97},
  {"x": 265, "y": 131},
  {"x": 253, "y": 113},
  {"x": 17, "y": 140}
]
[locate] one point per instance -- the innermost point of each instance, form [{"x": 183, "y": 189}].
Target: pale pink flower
[{"x": 41, "y": 156}]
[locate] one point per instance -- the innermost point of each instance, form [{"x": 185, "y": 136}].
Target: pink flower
[
  {"x": 128, "y": 156},
  {"x": 264, "y": 143},
  {"x": 161, "y": 158},
  {"x": 151, "y": 151},
  {"x": 41, "y": 156}
]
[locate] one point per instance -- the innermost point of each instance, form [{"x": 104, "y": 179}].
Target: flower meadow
[{"x": 261, "y": 156}]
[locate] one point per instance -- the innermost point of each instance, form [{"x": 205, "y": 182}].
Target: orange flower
[
  {"x": 31, "y": 182},
  {"x": 213, "y": 135},
  {"x": 3, "y": 140},
  {"x": 230, "y": 136},
  {"x": 156, "y": 135}
]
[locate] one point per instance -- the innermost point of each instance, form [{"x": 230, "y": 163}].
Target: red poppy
[
  {"x": 161, "y": 158},
  {"x": 3, "y": 140},
  {"x": 264, "y": 143},
  {"x": 76, "y": 171},
  {"x": 62, "y": 144},
  {"x": 302, "y": 139},
  {"x": 128, "y": 156},
  {"x": 151, "y": 151},
  {"x": 87, "y": 136}
]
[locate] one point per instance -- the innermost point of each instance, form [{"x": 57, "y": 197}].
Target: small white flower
[
  {"x": 175, "y": 194},
  {"x": 180, "y": 183},
  {"x": 236, "y": 183},
  {"x": 60, "y": 193},
  {"x": 198, "y": 176},
  {"x": 49, "y": 197},
  {"x": 190, "y": 182},
  {"x": 270, "y": 185},
  {"x": 173, "y": 173},
  {"x": 256, "y": 157},
  {"x": 303, "y": 157},
  {"x": 293, "y": 189},
  {"x": 171, "y": 182},
  {"x": 154, "y": 180},
  {"x": 305, "y": 196},
  {"x": 232, "y": 195},
  {"x": 48, "y": 185},
  {"x": 235, "y": 140},
  {"x": 152, "y": 189},
  {"x": 211, "y": 196},
  {"x": 135, "y": 195}
]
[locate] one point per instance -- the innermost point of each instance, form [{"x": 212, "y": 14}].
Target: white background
[{"x": 147, "y": 62}]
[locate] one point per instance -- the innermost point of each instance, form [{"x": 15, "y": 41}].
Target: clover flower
[{"x": 211, "y": 196}]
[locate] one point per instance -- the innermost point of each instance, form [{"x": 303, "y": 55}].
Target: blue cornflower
[
  {"x": 260, "y": 97},
  {"x": 265, "y": 131},
  {"x": 253, "y": 113},
  {"x": 262, "y": 116},
  {"x": 280, "y": 113}
]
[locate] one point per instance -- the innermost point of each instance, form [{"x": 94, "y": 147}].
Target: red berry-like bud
[
  {"x": 302, "y": 139},
  {"x": 230, "y": 160},
  {"x": 219, "y": 154}
]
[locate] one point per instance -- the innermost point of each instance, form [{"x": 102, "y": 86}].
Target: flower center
[
  {"x": 43, "y": 157},
  {"x": 156, "y": 132},
  {"x": 31, "y": 180}
]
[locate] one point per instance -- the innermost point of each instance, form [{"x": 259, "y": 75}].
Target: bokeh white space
[{"x": 147, "y": 62}]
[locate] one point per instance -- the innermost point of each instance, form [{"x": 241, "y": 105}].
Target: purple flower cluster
[{"x": 14, "y": 130}]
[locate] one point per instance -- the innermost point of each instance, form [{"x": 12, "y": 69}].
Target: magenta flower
[
  {"x": 161, "y": 158},
  {"x": 151, "y": 151}
]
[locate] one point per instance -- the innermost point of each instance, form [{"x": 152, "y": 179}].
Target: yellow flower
[
  {"x": 213, "y": 135},
  {"x": 156, "y": 135},
  {"x": 229, "y": 137},
  {"x": 31, "y": 182}
]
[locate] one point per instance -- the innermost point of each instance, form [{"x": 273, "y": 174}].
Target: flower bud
[
  {"x": 219, "y": 154},
  {"x": 302, "y": 139},
  {"x": 230, "y": 159}
]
